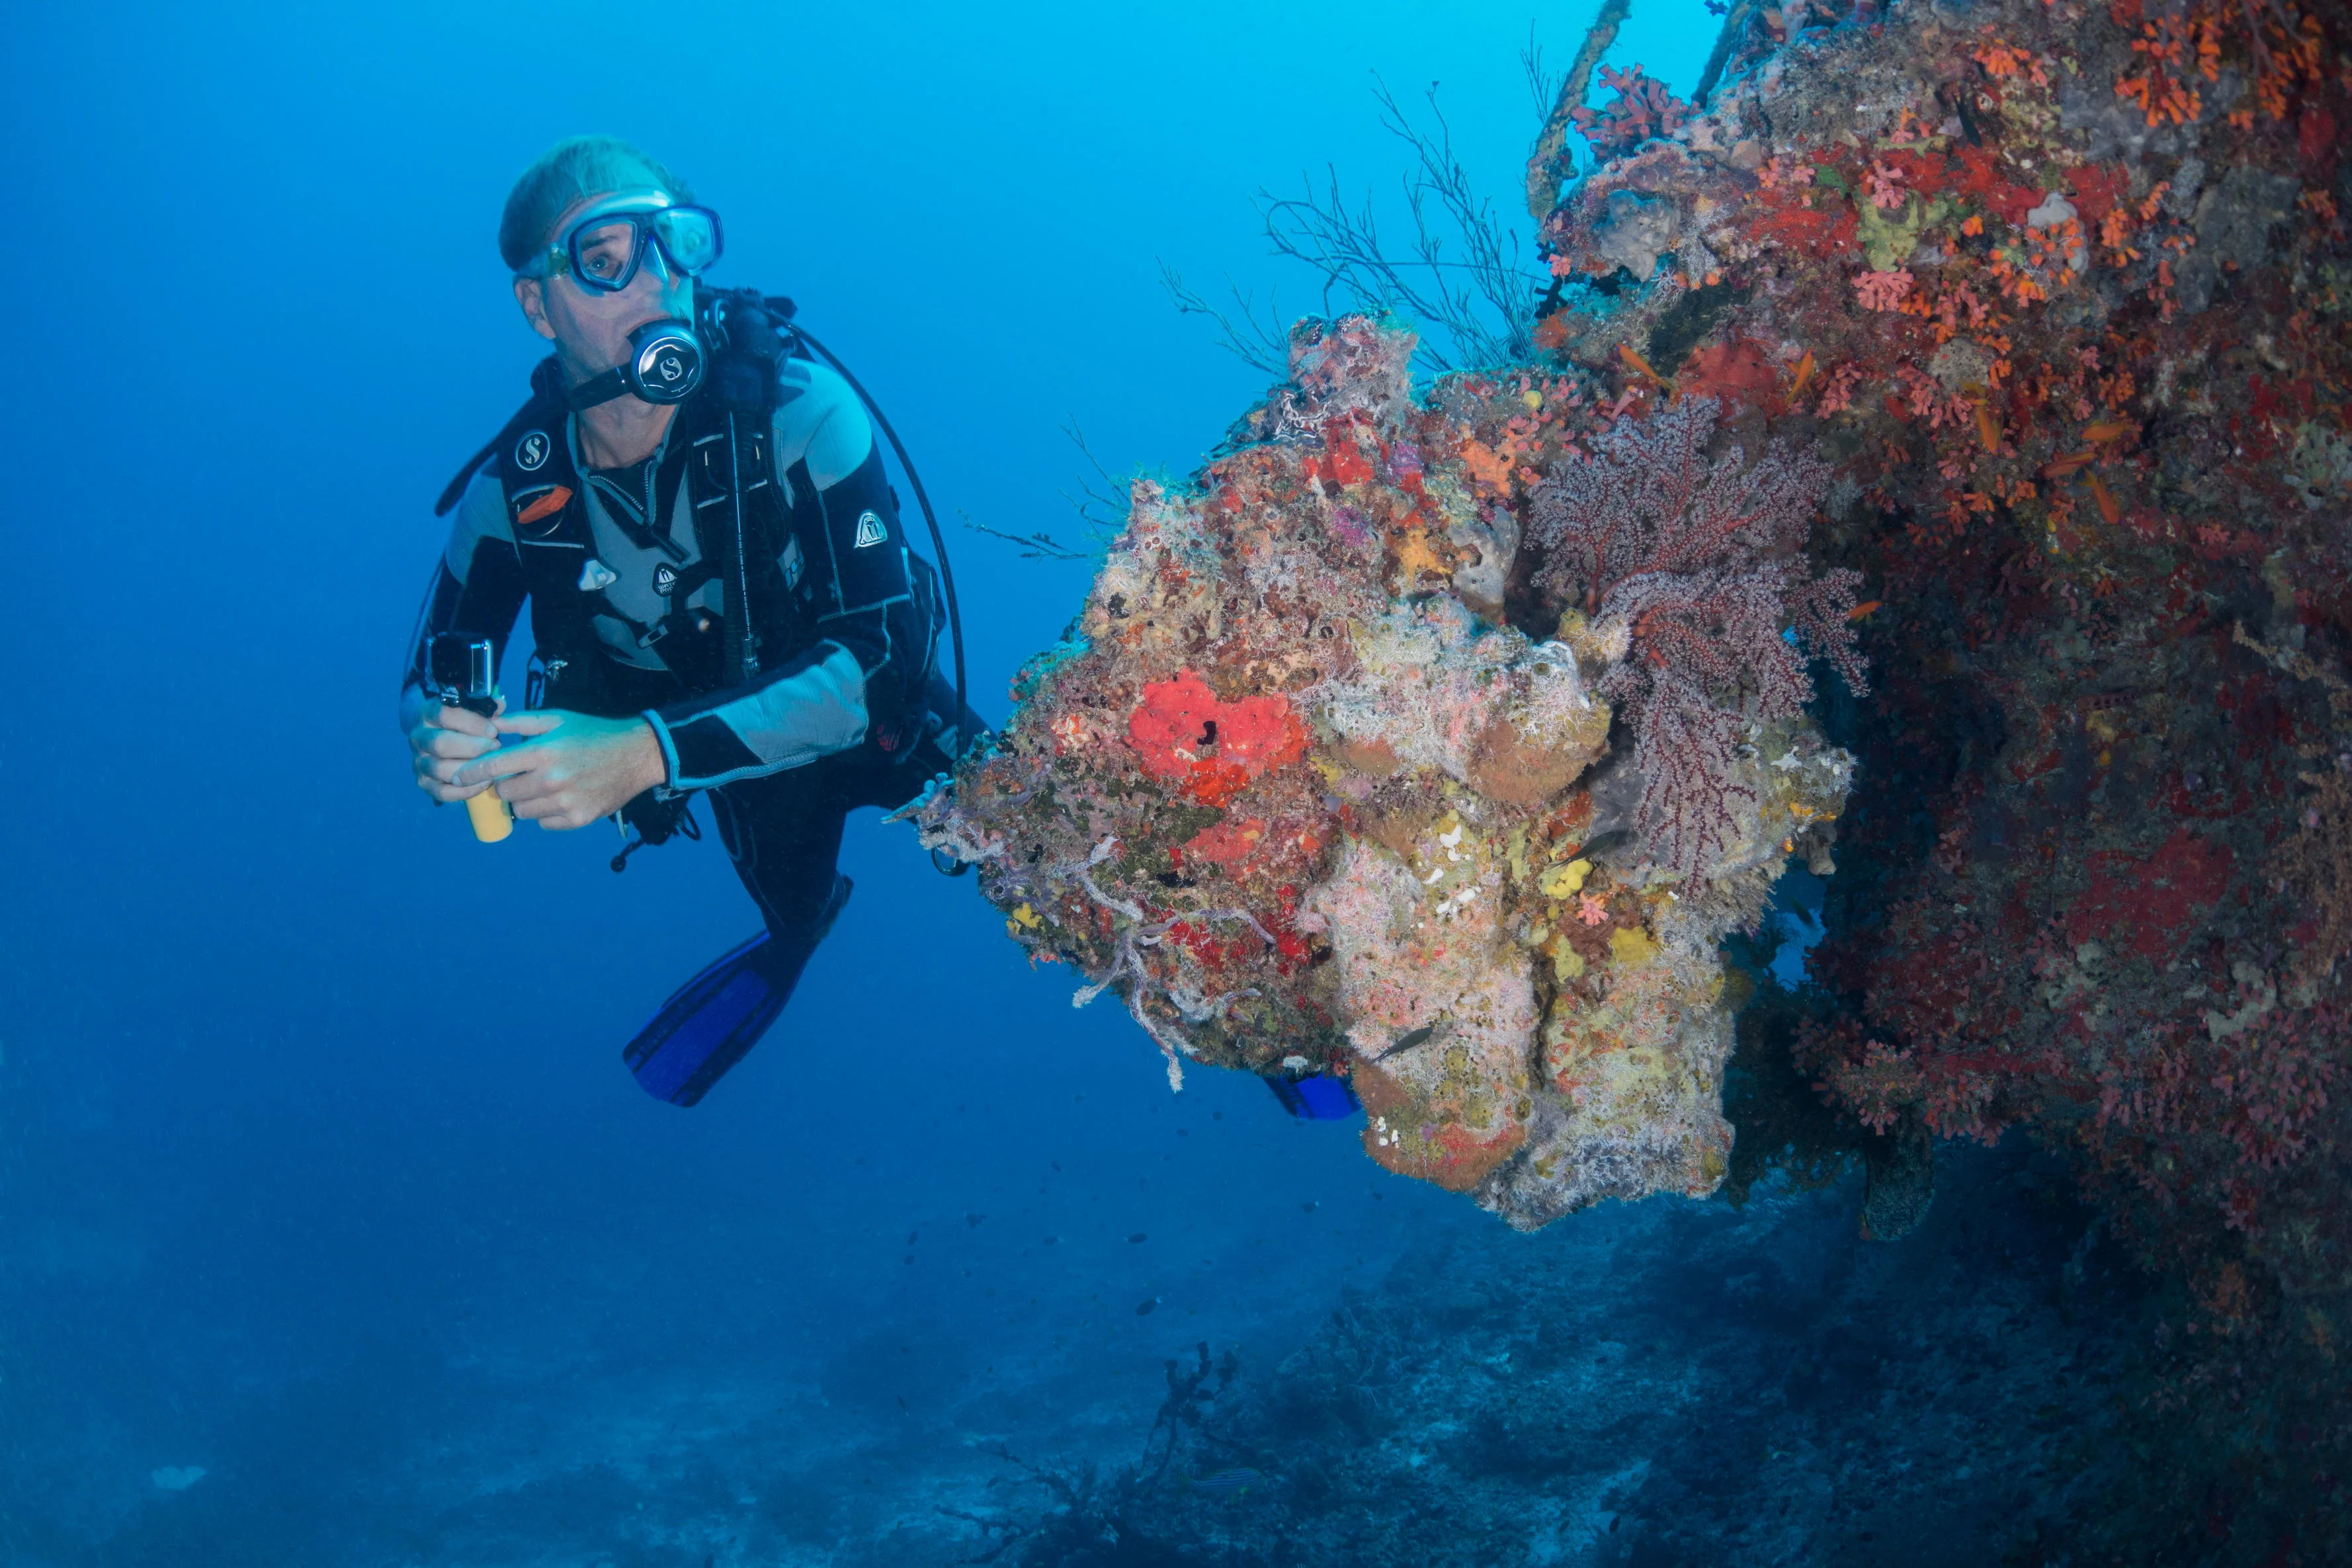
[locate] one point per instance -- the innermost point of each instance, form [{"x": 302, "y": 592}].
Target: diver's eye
[{"x": 604, "y": 251}]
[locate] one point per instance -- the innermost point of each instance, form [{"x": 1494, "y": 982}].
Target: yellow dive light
[
  {"x": 464, "y": 672},
  {"x": 491, "y": 818}
]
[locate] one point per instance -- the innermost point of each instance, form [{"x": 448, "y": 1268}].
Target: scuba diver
[{"x": 722, "y": 601}]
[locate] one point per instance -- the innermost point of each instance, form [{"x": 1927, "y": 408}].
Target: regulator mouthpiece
[{"x": 666, "y": 364}]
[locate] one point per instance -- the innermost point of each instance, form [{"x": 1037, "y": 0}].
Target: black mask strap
[{"x": 596, "y": 390}]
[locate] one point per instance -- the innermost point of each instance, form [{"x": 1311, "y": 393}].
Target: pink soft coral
[
  {"x": 1885, "y": 186},
  {"x": 1883, "y": 290},
  {"x": 1644, "y": 108}
]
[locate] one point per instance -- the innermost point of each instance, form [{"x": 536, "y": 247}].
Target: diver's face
[{"x": 591, "y": 327}]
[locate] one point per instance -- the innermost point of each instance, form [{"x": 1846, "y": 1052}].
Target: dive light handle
[{"x": 493, "y": 820}]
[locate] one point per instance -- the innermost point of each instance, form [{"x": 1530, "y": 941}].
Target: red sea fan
[{"x": 1696, "y": 564}]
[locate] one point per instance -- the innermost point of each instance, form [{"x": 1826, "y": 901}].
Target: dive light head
[
  {"x": 666, "y": 364},
  {"x": 463, "y": 670}
]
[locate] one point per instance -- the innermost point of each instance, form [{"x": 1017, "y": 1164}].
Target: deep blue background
[{"x": 318, "y": 1167}]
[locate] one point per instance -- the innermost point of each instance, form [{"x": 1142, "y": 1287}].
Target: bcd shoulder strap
[{"x": 546, "y": 388}]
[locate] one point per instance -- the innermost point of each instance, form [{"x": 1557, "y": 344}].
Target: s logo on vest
[
  {"x": 870, "y": 531},
  {"x": 531, "y": 452}
]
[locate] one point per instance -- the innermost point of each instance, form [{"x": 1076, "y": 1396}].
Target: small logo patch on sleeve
[
  {"x": 540, "y": 505},
  {"x": 870, "y": 531}
]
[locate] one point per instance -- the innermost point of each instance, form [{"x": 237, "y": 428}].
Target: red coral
[
  {"x": 1210, "y": 749},
  {"x": 1820, "y": 224},
  {"x": 2097, "y": 187},
  {"x": 1735, "y": 370},
  {"x": 1227, "y": 842},
  {"x": 2155, "y": 898},
  {"x": 1979, "y": 181}
]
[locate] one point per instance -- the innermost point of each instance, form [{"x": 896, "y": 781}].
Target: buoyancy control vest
[{"x": 697, "y": 647}]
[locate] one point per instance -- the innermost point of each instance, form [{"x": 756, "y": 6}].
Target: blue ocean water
[{"x": 333, "y": 1232}]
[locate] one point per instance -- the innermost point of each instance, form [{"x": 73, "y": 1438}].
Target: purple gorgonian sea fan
[{"x": 1680, "y": 572}]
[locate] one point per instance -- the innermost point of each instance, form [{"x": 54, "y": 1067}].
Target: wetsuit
[{"x": 629, "y": 600}]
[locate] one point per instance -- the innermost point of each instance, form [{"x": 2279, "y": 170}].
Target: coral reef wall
[
  {"x": 1435, "y": 739},
  {"x": 2061, "y": 292},
  {"x": 1439, "y": 740}
]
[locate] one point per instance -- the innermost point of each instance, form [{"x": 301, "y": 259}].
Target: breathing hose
[{"x": 783, "y": 308}]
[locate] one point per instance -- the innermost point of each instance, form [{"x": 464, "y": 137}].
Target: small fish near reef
[
  {"x": 1234, "y": 1482},
  {"x": 1406, "y": 1042}
]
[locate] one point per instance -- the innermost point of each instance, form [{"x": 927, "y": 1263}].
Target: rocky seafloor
[{"x": 1649, "y": 1385}]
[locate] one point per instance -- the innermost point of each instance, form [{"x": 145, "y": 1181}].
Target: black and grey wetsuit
[{"x": 629, "y": 604}]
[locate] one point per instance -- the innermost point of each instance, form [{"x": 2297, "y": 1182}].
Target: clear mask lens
[
  {"x": 606, "y": 252},
  {"x": 688, "y": 236},
  {"x": 604, "y": 255}
]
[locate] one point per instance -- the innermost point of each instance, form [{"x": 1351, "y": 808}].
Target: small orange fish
[
  {"x": 1804, "y": 373},
  {"x": 2058, "y": 468},
  {"x": 1862, "y": 608},
  {"x": 2107, "y": 430},
  {"x": 1988, "y": 428},
  {"x": 2109, "y": 508},
  {"x": 1640, "y": 365}
]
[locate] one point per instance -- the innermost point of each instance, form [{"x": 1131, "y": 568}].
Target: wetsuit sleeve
[
  {"x": 477, "y": 588},
  {"x": 873, "y": 646}
]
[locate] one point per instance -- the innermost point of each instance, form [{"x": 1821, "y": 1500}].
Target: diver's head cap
[{"x": 574, "y": 168}]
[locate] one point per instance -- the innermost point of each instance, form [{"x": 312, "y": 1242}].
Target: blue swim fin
[
  {"x": 712, "y": 1021},
  {"x": 1318, "y": 1097}
]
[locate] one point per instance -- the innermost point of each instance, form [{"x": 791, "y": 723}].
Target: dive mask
[{"x": 604, "y": 246}]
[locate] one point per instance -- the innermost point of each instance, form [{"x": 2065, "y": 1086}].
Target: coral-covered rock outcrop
[{"x": 1324, "y": 781}]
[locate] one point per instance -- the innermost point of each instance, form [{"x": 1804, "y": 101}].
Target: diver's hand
[
  {"x": 574, "y": 770},
  {"x": 443, "y": 740}
]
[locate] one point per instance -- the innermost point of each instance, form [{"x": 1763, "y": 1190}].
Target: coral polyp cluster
[{"x": 1325, "y": 779}]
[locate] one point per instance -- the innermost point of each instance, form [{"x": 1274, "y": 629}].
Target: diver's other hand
[
  {"x": 575, "y": 768},
  {"x": 444, "y": 740}
]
